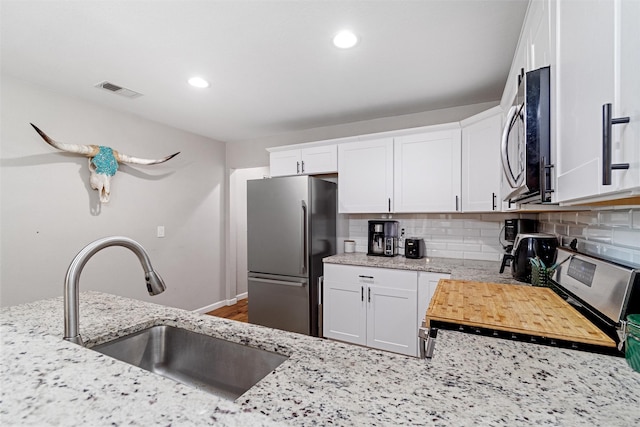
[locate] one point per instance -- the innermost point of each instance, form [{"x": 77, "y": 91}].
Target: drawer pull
[{"x": 365, "y": 277}]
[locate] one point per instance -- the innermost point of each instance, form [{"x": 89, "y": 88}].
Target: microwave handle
[{"x": 503, "y": 147}]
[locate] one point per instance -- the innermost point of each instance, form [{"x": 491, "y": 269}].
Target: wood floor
[{"x": 238, "y": 311}]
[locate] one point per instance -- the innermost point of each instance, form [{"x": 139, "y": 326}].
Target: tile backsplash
[
  {"x": 612, "y": 234},
  {"x": 608, "y": 233},
  {"x": 464, "y": 236}
]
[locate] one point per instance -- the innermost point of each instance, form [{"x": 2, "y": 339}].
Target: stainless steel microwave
[{"x": 526, "y": 140}]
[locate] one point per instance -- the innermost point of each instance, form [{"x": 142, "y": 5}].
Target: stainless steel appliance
[
  {"x": 603, "y": 291},
  {"x": 528, "y": 246},
  {"x": 414, "y": 248},
  {"x": 383, "y": 238},
  {"x": 291, "y": 226},
  {"x": 526, "y": 140},
  {"x": 513, "y": 227}
]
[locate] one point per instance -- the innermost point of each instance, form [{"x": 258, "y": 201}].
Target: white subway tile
[
  {"x": 444, "y": 254},
  {"x": 569, "y": 218},
  {"x": 491, "y": 233},
  {"x": 464, "y": 247},
  {"x": 481, "y": 256},
  {"x": 560, "y": 229},
  {"x": 482, "y": 224},
  {"x": 635, "y": 218},
  {"x": 621, "y": 218},
  {"x": 490, "y": 249},
  {"x": 599, "y": 234},
  {"x": 587, "y": 217},
  {"x": 626, "y": 237}
]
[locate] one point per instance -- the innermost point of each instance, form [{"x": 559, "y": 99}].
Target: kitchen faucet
[{"x": 155, "y": 284}]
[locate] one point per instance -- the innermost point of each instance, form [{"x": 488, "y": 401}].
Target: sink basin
[{"x": 221, "y": 367}]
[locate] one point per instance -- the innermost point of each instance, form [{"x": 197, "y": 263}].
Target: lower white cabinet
[
  {"x": 375, "y": 307},
  {"x": 427, "y": 283}
]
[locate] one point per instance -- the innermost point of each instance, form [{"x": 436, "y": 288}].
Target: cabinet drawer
[{"x": 372, "y": 276}]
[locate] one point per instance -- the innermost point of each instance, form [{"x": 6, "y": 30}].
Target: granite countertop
[
  {"x": 460, "y": 269},
  {"x": 471, "y": 380}
]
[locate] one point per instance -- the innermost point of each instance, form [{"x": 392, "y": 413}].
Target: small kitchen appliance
[
  {"x": 414, "y": 248},
  {"x": 513, "y": 227},
  {"x": 528, "y": 246},
  {"x": 383, "y": 238}
]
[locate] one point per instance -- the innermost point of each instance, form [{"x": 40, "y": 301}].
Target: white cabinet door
[
  {"x": 283, "y": 163},
  {"x": 427, "y": 172},
  {"x": 365, "y": 176},
  {"x": 481, "y": 164},
  {"x": 597, "y": 64},
  {"x": 427, "y": 283},
  {"x": 307, "y": 161},
  {"x": 317, "y": 160},
  {"x": 344, "y": 311},
  {"x": 391, "y": 319}
]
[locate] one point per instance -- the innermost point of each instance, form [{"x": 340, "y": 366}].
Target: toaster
[{"x": 414, "y": 248}]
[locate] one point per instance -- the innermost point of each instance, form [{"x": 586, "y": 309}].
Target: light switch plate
[{"x": 160, "y": 232}]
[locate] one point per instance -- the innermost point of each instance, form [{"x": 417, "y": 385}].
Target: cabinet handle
[
  {"x": 303, "y": 166},
  {"x": 389, "y": 199},
  {"x": 607, "y": 123},
  {"x": 297, "y": 167},
  {"x": 493, "y": 201},
  {"x": 369, "y": 292},
  {"x": 457, "y": 203},
  {"x": 365, "y": 277},
  {"x": 361, "y": 293}
]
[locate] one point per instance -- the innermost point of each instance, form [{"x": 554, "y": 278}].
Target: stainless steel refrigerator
[{"x": 291, "y": 226}]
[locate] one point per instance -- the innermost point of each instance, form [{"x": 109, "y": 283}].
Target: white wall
[
  {"x": 48, "y": 211},
  {"x": 253, "y": 153}
]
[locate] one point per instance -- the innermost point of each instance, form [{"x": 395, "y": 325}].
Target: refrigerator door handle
[
  {"x": 303, "y": 269},
  {"x": 277, "y": 282}
]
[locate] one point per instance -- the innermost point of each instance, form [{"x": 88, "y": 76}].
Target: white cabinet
[
  {"x": 365, "y": 176},
  {"x": 427, "y": 283},
  {"x": 375, "y": 307},
  {"x": 481, "y": 161},
  {"x": 427, "y": 171},
  {"x": 307, "y": 161},
  {"x": 597, "y": 47}
]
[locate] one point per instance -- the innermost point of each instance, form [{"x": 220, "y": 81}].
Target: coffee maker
[
  {"x": 383, "y": 238},
  {"x": 513, "y": 227}
]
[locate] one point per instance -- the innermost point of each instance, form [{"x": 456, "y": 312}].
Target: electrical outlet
[{"x": 160, "y": 231}]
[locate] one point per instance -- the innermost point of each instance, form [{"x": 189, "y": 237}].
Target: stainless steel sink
[{"x": 221, "y": 367}]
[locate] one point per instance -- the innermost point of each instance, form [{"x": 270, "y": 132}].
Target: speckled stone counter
[
  {"x": 472, "y": 380},
  {"x": 460, "y": 269}
]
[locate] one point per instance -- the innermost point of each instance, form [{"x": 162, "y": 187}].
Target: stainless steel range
[
  {"x": 604, "y": 291},
  {"x": 585, "y": 309}
]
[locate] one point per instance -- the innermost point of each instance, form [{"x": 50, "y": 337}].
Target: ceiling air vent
[{"x": 119, "y": 90}]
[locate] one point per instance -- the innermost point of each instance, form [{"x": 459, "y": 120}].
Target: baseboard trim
[{"x": 221, "y": 304}]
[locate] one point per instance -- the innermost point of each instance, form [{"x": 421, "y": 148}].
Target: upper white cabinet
[
  {"x": 365, "y": 176},
  {"x": 427, "y": 171},
  {"x": 597, "y": 49},
  {"x": 481, "y": 162},
  {"x": 307, "y": 161}
]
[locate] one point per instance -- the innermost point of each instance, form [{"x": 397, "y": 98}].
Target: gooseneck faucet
[{"x": 155, "y": 284}]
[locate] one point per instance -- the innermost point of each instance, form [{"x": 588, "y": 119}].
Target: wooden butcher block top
[{"x": 513, "y": 308}]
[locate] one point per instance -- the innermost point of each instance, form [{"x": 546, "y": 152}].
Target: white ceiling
[{"x": 271, "y": 64}]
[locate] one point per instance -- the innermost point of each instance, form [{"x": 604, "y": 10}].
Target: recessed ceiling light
[
  {"x": 198, "y": 82},
  {"x": 345, "y": 39}
]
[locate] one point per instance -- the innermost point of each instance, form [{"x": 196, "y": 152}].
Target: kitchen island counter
[
  {"x": 472, "y": 380},
  {"x": 460, "y": 269}
]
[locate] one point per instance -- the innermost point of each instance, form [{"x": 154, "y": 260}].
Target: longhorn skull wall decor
[{"x": 103, "y": 162}]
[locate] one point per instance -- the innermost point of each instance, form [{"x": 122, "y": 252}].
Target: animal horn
[
  {"x": 123, "y": 158},
  {"x": 87, "y": 150}
]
